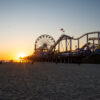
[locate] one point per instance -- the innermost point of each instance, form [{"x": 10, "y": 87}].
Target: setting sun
[{"x": 20, "y": 55}]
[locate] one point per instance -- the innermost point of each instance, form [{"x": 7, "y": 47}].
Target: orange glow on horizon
[{"x": 14, "y": 55}]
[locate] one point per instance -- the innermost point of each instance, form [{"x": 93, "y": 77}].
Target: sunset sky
[{"x": 22, "y": 21}]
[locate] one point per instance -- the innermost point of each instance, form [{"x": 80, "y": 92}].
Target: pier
[{"x": 67, "y": 49}]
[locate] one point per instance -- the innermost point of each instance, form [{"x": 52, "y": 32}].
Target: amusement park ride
[{"x": 46, "y": 49}]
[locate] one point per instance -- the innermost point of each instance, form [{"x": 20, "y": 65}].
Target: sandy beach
[{"x": 49, "y": 81}]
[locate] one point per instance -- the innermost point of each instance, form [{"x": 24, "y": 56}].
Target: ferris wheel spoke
[{"x": 50, "y": 43}]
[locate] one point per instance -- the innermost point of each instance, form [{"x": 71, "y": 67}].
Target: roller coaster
[{"x": 46, "y": 49}]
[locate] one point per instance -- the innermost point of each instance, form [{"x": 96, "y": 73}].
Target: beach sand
[{"x": 49, "y": 81}]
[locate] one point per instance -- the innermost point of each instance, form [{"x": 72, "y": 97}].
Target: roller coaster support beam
[
  {"x": 87, "y": 40},
  {"x": 93, "y": 44},
  {"x": 78, "y": 44},
  {"x": 99, "y": 38},
  {"x": 71, "y": 45},
  {"x": 66, "y": 44}
]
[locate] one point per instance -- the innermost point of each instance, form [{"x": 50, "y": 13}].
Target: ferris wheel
[{"x": 44, "y": 42}]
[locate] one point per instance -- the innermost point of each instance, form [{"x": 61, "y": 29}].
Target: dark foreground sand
[{"x": 49, "y": 81}]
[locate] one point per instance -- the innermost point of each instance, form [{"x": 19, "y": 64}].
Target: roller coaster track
[
  {"x": 86, "y": 35},
  {"x": 69, "y": 37},
  {"x": 61, "y": 38}
]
